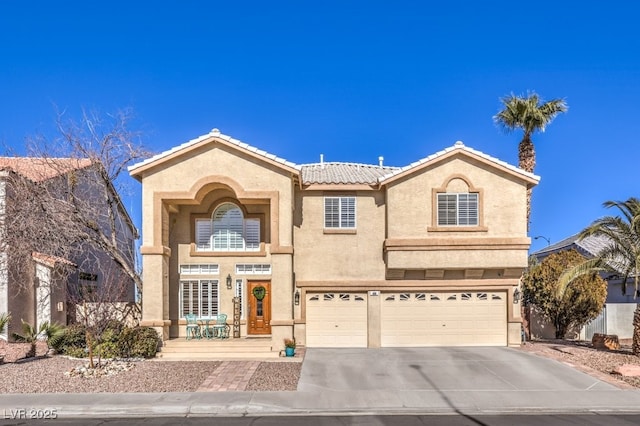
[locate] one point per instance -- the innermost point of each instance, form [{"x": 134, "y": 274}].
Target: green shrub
[
  {"x": 117, "y": 341},
  {"x": 75, "y": 352},
  {"x": 108, "y": 349},
  {"x": 139, "y": 342},
  {"x": 73, "y": 338}
]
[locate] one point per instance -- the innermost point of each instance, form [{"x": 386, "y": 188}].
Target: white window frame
[
  {"x": 461, "y": 209},
  {"x": 227, "y": 230},
  {"x": 253, "y": 269},
  {"x": 340, "y": 212},
  {"x": 208, "y": 288},
  {"x": 200, "y": 269},
  {"x": 239, "y": 292}
]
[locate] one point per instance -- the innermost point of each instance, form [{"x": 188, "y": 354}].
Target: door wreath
[{"x": 259, "y": 292}]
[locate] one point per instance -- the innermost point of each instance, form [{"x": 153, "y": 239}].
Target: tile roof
[
  {"x": 589, "y": 247},
  {"x": 343, "y": 173},
  {"x": 459, "y": 145},
  {"x": 49, "y": 260},
  {"x": 331, "y": 172},
  {"x": 213, "y": 133},
  {"x": 39, "y": 169}
]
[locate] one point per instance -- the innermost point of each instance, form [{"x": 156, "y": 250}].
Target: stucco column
[{"x": 155, "y": 269}]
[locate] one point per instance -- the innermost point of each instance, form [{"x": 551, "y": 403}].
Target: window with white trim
[
  {"x": 199, "y": 297},
  {"x": 340, "y": 212},
  {"x": 457, "y": 209},
  {"x": 253, "y": 269},
  {"x": 200, "y": 269},
  {"x": 238, "y": 294},
  {"x": 228, "y": 230}
]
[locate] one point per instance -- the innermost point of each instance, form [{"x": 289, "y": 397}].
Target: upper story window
[
  {"x": 340, "y": 212},
  {"x": 456, "y": 209},
  {"x": 228, "y": 230}
]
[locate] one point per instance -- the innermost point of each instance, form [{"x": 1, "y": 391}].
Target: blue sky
[{"x": 352, "y": 80}]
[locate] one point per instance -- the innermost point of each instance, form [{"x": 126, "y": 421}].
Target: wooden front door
[{"x": 259, "y": 307}]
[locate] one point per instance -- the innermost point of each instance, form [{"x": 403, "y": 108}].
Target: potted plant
[{"x": 289, "y": 347}]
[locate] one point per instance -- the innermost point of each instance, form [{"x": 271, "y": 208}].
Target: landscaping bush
[
  {"x": 109, "y": 346},
  {"x": 117, "y": 341},
  {"x": 138, "y": 342},
  {"x": 72, "y": 338},
  {"x": 75, "y": 352}
]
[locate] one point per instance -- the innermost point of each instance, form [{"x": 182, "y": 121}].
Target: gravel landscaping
[
  {"x": 45, "y": 374},
  {"x": 582, "y": 356}
]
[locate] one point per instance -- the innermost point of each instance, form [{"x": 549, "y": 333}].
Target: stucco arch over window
[
  {"x": 458, "y": 205},
  {"x": 228, "y": 230}
]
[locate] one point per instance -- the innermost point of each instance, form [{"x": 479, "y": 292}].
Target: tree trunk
[
  {"x": 89, "y": 340},
  {"x": 32, "y": 350},
  {"x": 527, "y": 162},
  {"x": 561, "y": 329},
  {"x": 636, "y": 331}
]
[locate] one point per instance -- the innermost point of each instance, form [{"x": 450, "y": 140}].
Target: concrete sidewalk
[{"x": 301, "y": 402}]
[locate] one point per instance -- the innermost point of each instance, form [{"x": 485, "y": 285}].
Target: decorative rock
[
  {"x": 107, "y": 368},
  {"x": 627, "y": 370},
  {"x": 605, "y": 341}
]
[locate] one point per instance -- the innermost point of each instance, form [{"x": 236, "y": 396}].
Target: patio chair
[
  {"x": 220, "y": 328},
  {"x": 193, "y": 328}
]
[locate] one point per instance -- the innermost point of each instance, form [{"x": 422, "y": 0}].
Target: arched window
[{"x": 228, "y": 230}]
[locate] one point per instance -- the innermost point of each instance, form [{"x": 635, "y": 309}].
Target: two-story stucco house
[{"x": 343, "y": 254}]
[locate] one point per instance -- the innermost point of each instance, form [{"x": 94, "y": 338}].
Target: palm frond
[{"x": 589, "y": 266}]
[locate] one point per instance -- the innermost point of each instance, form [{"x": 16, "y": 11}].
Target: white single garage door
[
  {"x": 444, "y": 319},
  {"x": 336, "y": 320}
]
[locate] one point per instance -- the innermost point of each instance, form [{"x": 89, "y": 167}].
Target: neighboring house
[
  {"x": 335, "y": 254},
  {"x": 617, "y": 314},
  {"x": 45, "y": 287}
]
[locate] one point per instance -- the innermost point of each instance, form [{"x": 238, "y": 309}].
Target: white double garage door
[{"x": 409, "y": 319}]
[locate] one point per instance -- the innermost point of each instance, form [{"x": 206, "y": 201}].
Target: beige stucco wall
[
  {"x": 193, "y": 185},
  {"x": 499, "y": 241},
  {"x": 503, "y": 198},
  {"x": 324, "y": 255},
  {"x": 395, "y": 229}
]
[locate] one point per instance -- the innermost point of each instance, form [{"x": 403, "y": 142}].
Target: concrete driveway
[{"x": 472, "y": 369}]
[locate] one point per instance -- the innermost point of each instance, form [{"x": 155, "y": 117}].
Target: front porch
[{"x": 181, "y": 349}]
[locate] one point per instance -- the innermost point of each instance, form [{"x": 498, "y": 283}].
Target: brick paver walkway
[{"x": 230, "y": 376}]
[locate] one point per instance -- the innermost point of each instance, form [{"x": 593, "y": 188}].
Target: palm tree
[
  {"x": 622, "y": 252},
  {"x": 31, "y": 334},
  {"x": 4, "y": 320},
  {"x": 531, "y": 114}
]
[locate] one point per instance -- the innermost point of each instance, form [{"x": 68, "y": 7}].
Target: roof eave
[
  {"x": 530, "y": 179},
  {"x": 138, "y": 170}
]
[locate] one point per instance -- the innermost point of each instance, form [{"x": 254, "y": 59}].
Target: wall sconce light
[
  {"x": 296, "y": 298},
  {"x": 516, "y": 296},
  {"x": 229, "y": 282}
]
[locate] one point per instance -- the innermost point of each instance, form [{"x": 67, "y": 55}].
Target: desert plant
[
  {"x": 72, "y": 338},
  {"x": 4, "y": 321},
  {"x": 138, "y": 342},
  {"x": 530, "y": 114},
  {"x": 29, "y": 335},
  {"x": 574, "y": 304},
  {"x": 52, "y": 333}
]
